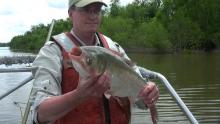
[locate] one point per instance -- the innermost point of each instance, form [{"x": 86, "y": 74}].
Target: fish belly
[{"x": 125, "y": 84}]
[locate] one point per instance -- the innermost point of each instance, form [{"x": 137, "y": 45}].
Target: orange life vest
[{"x": 90, "y": 111}]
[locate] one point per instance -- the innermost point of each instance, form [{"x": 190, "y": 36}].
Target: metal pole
[
  {"x": 18, "y": 86},
  {"x": 27, "y": 109},
  {"x": 151, "y": 74},
  {"x": 50, "y": 30},
  {"x": 12, "y": 70},
  {"x": 28, "y": 106}
]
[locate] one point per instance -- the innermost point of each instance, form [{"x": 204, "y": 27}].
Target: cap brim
[{"x": 84, "y": 3}]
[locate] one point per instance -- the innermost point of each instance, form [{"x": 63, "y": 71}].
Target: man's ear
[{"x": 70, "y": 13}]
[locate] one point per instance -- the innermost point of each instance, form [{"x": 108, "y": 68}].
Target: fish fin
[
  {"x": 153, "y": 112},
  {"x": 121, "y": 55},
  {"x": 129, "y": 62}
]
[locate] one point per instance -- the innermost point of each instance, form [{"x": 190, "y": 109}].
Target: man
[{"x": 58, "y": 97}]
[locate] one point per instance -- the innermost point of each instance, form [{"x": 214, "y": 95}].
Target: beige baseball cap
[{"x": 82, "y": 3}]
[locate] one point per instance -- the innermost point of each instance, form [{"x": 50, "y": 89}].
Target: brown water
[{"x": 195, "y": 77}]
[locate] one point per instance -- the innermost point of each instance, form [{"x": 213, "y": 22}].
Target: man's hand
[
  {"x": 149, "y": 94},
  {"x": 94, "y": 87}
]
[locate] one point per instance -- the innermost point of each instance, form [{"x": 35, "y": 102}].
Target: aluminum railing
[{"x": 22, "y": 83}]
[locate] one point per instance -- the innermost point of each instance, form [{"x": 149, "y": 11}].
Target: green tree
[
  {"x": 154, "y": 35},
  {"x": 184, "y": 33},
  {"x": 115, "y": 8},
  {"x": 196, "y": 21},
  {"x": 118, "y": 28}
]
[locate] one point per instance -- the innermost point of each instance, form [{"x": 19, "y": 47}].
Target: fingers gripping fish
[{"x": 92, "y": 61}]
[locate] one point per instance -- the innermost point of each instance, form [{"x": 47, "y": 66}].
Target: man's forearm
[{"x": 57, "y": 106}]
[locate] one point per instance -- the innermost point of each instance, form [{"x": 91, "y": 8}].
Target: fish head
[{"x": 86, "y": 62}]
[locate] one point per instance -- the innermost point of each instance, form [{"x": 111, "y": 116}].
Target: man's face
[{"x": 86, "y": 19}]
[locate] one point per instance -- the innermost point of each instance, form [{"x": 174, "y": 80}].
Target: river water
[
  {"x": 13, "y": 106},
  {"x": 195, "y": 77}
]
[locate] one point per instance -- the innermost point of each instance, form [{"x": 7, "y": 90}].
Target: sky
[{"x": 17, "y": 16}]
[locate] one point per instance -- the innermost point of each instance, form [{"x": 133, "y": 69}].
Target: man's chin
[
  {"x": 92, "y": 30},
  {"x": 92, "y": 27}
]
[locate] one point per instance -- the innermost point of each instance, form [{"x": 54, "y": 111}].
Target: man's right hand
[{"x": 94, "y": 87}]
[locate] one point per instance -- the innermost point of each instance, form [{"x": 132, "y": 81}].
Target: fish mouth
[{"x": 76, "y": 53}]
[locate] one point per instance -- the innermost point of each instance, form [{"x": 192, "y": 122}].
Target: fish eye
[{"x": 89, "y": 61}]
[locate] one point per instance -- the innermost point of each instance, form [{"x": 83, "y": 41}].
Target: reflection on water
[
  {"x": 5, "y": 51},
  {"x": 194, "y": 76}
]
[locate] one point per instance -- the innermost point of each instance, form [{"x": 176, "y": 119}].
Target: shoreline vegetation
[
  {"x": 28, "y": 59},
  {"x": 142, "y": 26}
]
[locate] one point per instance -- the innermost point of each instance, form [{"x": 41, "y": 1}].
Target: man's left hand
[{"x": 149, "y": 94}]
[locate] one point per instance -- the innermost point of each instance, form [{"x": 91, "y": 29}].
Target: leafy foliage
[{"x": 192, "y": 24}]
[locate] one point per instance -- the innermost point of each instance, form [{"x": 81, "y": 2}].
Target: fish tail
[{"x": 153, "y": 112}]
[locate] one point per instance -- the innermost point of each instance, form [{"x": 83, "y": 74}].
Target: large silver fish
[{"x": 91, "y": 61}]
